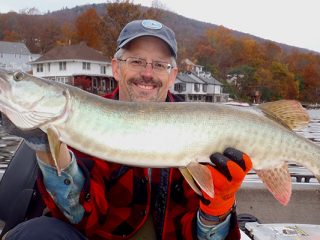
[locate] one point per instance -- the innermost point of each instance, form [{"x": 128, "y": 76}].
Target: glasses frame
[{"x": 141, "y": 67}]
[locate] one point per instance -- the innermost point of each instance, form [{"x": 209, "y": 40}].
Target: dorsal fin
[{"x": 289, "y": 112}]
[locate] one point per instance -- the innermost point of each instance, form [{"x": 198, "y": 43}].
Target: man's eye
[
  {"x": 159, "y": 65},
  {"x": 137, "y": 62}
]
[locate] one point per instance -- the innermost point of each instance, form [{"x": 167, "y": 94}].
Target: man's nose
[{"x": 148, "y": 70}]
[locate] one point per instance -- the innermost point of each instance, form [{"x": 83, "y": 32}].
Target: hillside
[
  {"x": 187, "y": 30},
  {"x": 274, "y": 70}
]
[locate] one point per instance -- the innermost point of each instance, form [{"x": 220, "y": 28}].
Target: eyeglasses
[{"x": 139, "y": 64}]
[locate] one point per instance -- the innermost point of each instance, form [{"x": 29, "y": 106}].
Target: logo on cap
[{"x": 151, "y": 24}]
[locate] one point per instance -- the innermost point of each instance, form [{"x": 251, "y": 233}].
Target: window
[
  {"x": 39, "y": 67},
  {"x": 205, "y": 87},
  {"x": 113, "y": 84},
  {"x": 62, "y": 79},
  {"x": 86, "y": 66},
  {"x": 196, "y": 87},
  {"x": 103, "y": 69},
  {"x": 1, "y": 54},
  {"x": 180, "y": 87},
  {"x": 103, "y": 85},
  {"x": 62, "y": 66},
  {"x": 48, "y": 67}
]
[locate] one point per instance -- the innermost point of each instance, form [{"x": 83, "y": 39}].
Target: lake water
[
  {"x": 313, "y": 130},
  {"x": 8, "y": 145}
]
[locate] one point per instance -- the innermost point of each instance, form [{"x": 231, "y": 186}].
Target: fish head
[{"x": 28, "y": 101}]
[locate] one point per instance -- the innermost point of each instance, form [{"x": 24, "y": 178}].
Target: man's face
[{"x": 145, "y": 84}]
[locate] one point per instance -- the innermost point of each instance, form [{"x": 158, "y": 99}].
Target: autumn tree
[
  {"x": 9, "y": 27},
  {"x": 244, "y": 84},
  {"x": 306, "y": 67},
  {"x": 272, "y": 51},
  {"x": 30, "y": 27},
  {"x": 49, "y": 35},
  {"x": 311, "y": 79},
  {"x": 88, "y": 28},
  {"x": 205, "y": 53},
  {"x": 263, "y": 78},
  {"x": 118, "y": 14},
  {"x": 11, "y": 36},
  {"x": 68, "y": 34},
  {"x": 283, "y": 82}
]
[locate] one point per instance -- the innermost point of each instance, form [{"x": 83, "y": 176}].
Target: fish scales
[{"x": 176, "y": 134}]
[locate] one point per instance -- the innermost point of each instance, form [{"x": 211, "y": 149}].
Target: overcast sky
[{"x": 293, "y": 22}]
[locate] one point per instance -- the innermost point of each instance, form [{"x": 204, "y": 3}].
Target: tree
[
  {"x": 11, "y": 36},
  {"x": 30, "y": 11},
  {"x": 245, "y": 81},
  {"x": 272, "y": 51},
  {"x": 119, "y": 13},
  {"x": 49, "y": 35},
  {"x": 283, "y": 82},
  {"x": 68, "y": 34},
  {"x": 88, "y": 28}
]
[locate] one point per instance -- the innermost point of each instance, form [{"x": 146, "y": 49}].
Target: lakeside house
[
  {"x": 195, "y": 85},
  {"x": 77, "y": 65},
  {"x": 87, "y": 68},
  {"x": 15, "y": 56}
]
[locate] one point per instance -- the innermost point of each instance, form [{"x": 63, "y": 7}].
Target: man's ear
[
  {"x": 115, "y": 69},
  {"x": 172, "y": 76}
]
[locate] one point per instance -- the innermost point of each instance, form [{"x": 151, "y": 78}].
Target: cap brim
[{"x": 149, "y": 34}]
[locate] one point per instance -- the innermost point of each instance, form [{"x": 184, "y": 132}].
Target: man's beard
[{"x": 144, "y": 95}]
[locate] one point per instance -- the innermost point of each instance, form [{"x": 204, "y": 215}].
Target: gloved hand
[
  {"x": 36, "y": 139},
  {"x": 228, "y": 171}
]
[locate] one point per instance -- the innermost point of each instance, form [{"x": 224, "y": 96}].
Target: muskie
[{"x": 161, "y": 135}]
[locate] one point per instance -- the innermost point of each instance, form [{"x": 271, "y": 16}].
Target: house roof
[
  {"x": 78, "y": 51},
  {"x": 210, "y": 80},
  {"x": 185, "y": 77},
  {"x": 192, "y": 77},
  {"x": 14, "y": 48}
]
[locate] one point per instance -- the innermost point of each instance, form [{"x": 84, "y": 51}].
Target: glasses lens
[{"x": 139, "y": 64}]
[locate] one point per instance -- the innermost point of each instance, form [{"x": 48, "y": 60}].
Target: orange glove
[{"x": 228, "y": 171}]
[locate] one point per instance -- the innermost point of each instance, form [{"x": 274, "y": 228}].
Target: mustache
[{"x": 141, "y": 81}]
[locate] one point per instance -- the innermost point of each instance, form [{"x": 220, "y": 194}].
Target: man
[{"x": 94, "y": 199}]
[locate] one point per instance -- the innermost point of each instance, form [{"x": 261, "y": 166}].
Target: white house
[
  {"x": 78, "y": 65},
  {"x": 15, "y": 56},
  {"x": 195, "y": 85}
]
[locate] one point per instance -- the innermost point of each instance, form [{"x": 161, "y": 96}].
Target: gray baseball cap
[{"x": 147, "y": 27}]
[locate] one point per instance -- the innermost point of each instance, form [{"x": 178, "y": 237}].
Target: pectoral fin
[
  {"x": 278, "y": 182},
  {"x": 202, "y": 176},
  {"x": 54, "y": 144},
  {"x": 188, "y": 177}
]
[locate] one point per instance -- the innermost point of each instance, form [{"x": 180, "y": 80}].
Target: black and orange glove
[{"x": 228, "y": 171}]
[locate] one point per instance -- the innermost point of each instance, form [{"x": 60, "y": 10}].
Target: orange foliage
[{"x": 88, "y": 26}]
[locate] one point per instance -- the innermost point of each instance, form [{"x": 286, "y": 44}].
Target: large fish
[{"x": 163, "y": 135}]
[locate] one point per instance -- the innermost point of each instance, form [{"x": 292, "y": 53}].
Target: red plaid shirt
[{"x": 117, "y": 200}]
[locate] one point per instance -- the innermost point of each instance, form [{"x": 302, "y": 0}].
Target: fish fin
[
  {"x": 28, "y": 120},
  {"x": 202, "y": 176},
  {"x": 289, "y": 112},
  {"x": 54, "y": 144},
  {"x": 188, "y": 177},
  {"x": 278, "y": 182}
]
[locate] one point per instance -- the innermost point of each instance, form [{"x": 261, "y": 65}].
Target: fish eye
[{"x": 18, "y": 76}]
